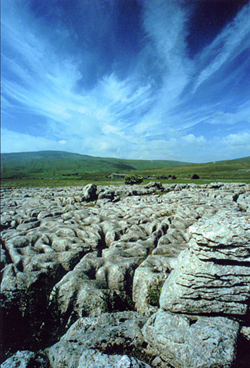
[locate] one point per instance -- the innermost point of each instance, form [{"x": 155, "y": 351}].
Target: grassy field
[
  {"x": 53, "y": 168},
  {"x": 228, "y": 171}
]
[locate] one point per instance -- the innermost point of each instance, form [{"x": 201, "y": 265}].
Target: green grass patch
[
  {"x": 59, "y": 169},
  {"x": 154, "y": 293}
]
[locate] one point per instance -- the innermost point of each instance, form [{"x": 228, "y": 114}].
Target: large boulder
[
  {"x": 213, "y": 275},
  {"x": 89, "y": 192},
  {"x": 196, "y": 287},
  {"x": 183, "y": 342},
  {"x": 223, "y": 239},
  {"x": 205, "y": 298},
  {"x": 25, "y": 359},
  {"x": 109, "y": 333}
]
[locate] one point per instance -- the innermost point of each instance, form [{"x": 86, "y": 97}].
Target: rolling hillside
[
  {"x": 230, "y": 170},
  {"x": 57, "y": 168},
  {"x": 54, "y": 164}
]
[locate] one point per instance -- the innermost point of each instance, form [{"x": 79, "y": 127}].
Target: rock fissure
[{"x": 177, "y": 261}]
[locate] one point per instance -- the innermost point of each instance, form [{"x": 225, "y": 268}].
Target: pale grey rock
[
  {"x": 107, "y": 194},
  {"x": 43, "y": 214},
  {"x": 53, "y": 235},
  {"x": 61, "y": 244},
  {"x": 175, "y": 240},
  {"x": 25, "y": 359},
  {"x": 225, "y": 237},
  {"x": 120, "y": 272},
  {"x": 89, "y": 192},
  {"x": 197, "y": 287},
  {"x": 182, "y": 222},
  {"x": 184, "y": 342},
  {"x": 5, "y": 221},
  {"x": 3, "y": 257},
  {"x": 111, "y": 230},
  {"x": 154, "y": 184},
  {"x": 149, "y": 278},
  {"x": 245, "y": 331},
  {"x": 92, "y": 359},
  {"x": 33, "y": 223},
  {"x": 10, "y": 282},
  {"x": 169, "y": 248},
  {"x": 65, "y": 232},
  {"x": 108, "y": 333},
  {"x": 78, "y": 295},
  {"x": 243, "y": 201},
  {"x": 137, "y": 250},
  {"x": 133, "y": 234},
  {"x": 69, "y": 259},
  {"x": 213, "y": 275}
]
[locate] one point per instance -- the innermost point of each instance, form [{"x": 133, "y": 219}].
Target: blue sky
[{"x": 138, "y": 79}]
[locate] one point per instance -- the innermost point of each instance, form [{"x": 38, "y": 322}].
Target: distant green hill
[
  {"x": 229, "y": 170},
  {"x": 54, "y": 164},
  {"x": 57, "y": 168}
]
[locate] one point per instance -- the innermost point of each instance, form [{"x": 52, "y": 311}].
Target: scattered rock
[
  {"x": 245, "y": 331},
  {"x": 89, "y": 192},
  {"x": 26, "y": 359},
  {"x": 181, "y": 341},
  {"x": 93, "y": 359},
  {"x": 73, "y": 252},
  {"x": 110, "y": 333}
]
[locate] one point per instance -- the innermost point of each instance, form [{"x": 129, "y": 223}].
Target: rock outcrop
[
  {"x": 26, "y": 359},
  {"x": 109, "y": 333},
  {"x": 213, "y": 274},
  {"x": 180, "y": 252},
  {"x": 205, "y": 296},
  {"x": 180, "y": 341}
]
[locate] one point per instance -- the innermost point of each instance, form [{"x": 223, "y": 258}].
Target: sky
[{"x": 135, "y": 79}]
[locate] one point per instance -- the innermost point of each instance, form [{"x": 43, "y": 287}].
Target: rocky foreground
[{"x": 130, "y": 276}]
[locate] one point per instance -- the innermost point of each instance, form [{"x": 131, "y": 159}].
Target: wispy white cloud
[
  {"x": 148, "y": 112},
  {"x": 233, "y": 40},
  {"x": 238, "y": 140},
  {"x": 166, "y": 26}
]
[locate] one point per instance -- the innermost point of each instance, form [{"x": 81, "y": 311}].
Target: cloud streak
[
  {"x": 231, "y": 42},
  {"x": 127, "y": 88}
]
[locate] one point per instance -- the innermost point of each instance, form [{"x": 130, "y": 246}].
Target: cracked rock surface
[
  {"x": 73, "y": 256},
  {"x": 212, "y": 276}
]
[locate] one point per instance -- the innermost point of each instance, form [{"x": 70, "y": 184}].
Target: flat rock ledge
[
  {"x": 205, "y": 297},
  {"x": 128, "y": 276}
]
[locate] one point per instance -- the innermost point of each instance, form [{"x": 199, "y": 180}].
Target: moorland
[{"x": 58, "y": 168}]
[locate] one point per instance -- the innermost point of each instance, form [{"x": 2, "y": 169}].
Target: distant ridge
[
  {"x": 60, "y": 163},
  {"x": 56, "y": 168}
]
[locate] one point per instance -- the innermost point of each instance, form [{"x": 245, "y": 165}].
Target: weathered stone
[
  {"x": 196, "y": 287},
  {"x": 25, "y": 359},
  {"x": 148, "y": 280},
  {"x": 108, "y": 194},
  {"x": 3, "y": 258},
  {"x": 223, "y": 238},
  {"x": 93, "y": 359},
  {"x": 245, "y": 331},
  {"x": 77, "y": 295},
  {"x": 109, "y": 333},
  {"x": 184, "y": 342},
  {"x": 89, "y": 192},
  {"x": 91, "y": 252},
  {"x": 213, "y": 276}
]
